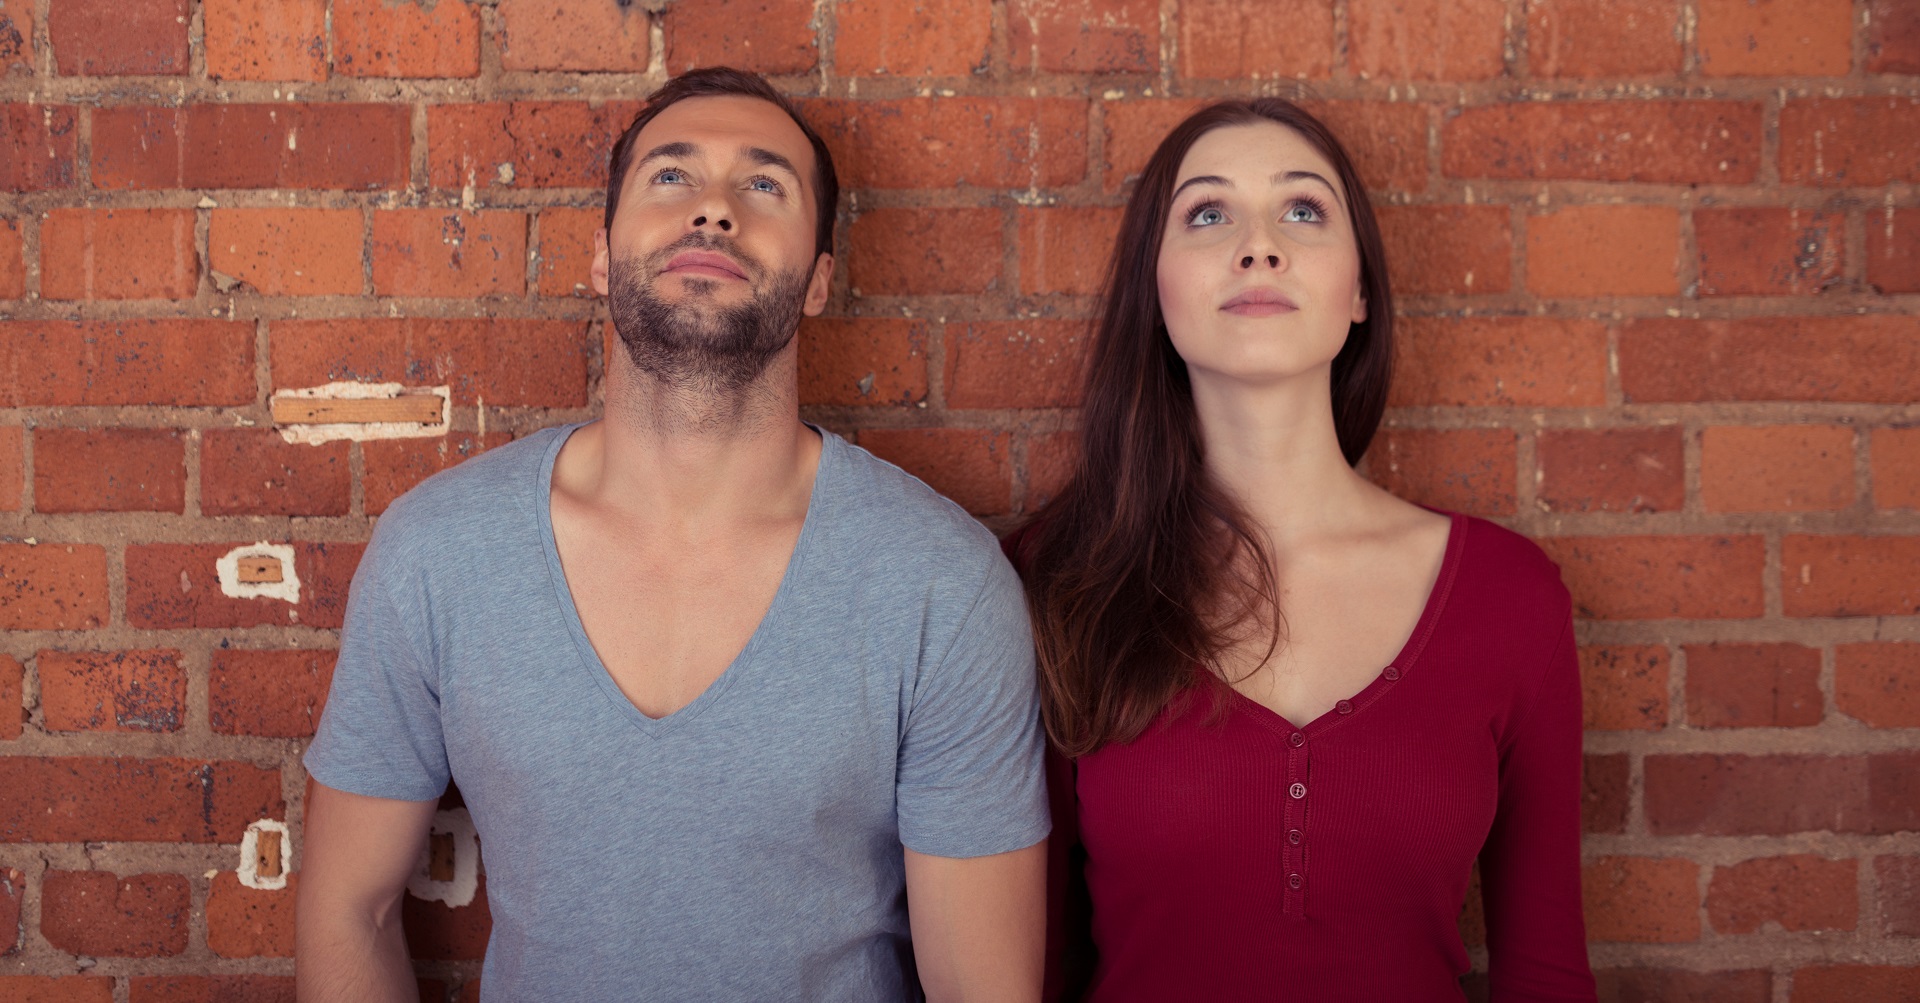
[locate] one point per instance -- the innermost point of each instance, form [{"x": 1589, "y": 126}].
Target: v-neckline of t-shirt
[
  {"x": 589, "y": 659},
  {"x": 1394, "y": 672}
]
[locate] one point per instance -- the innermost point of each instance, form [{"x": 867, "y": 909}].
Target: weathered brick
[
  {"x": 100, "y": 914},
  {"x": 876, "y": 37},
  {"x": 1677, "y": 985},
  {"x": 1893, "y": 36},
  {"x": 1018, "y": 142},
  {"x": 1656, "y": 577},
  {"x": 1898, "y": 898},
  {"x": 1771, "y": 358},
  {"x": 394, "y": 466},
  {"x": 509, "y": 363},
  {"x": 1386, "y": 140},
  {"x": 287, "y": 145},
  {"x": 1464, "y": 470},
  {"x": 525, "y": 144},
  {"x": 1854, "y": 983},
  {"x": 1893, "y": 792},
  {"x": 1850, "y": 575},
  {"x": 1752, "y": 686},
  {"x": 1766, "y": 38},
  {"x": 145, "y": 362},
  {"x": 253, "y": 471},
  {"x": 247, "y": 922},
  {"x": 112, "y": 690},
  {"x": 172, "y": 585},
  {"x": 1427, "y": 39},
  {"x": 1660, "y": 142},
  {"x": 290, "y": 252},
  {"x": 1624, "y": 687},
  {"x": 118, "y": 254},
  {"x": 13, "y": 472},
  {"x": 37, "y": 144},
  {"x": 1850, "y": 141},
  {"x": 565, "y": 256},
  {"x": 1000, "y": 364},
  {"x": 1798, "y": 892},
  {"x": 921, "y": 252},
  {"x": 1499, "y": 362},
  {"x": 1878, "y": 683},
  {"x": 52, "y": 586},
  {"x": 1768, "y": 251},
  {"x": 266, "y": 39},
  {"x": 1777, "y": 468},
  {"x": 211, "y": 989},
  {"x": 13, "y": 261},
  {"x": 1448, "y": 249},
  {"x": 13, "y": 886},
  {"x": 382, "y": 38},
  {"x": 569, "y": 35},
  {"x": 16, "y": 42},
  {"x": 274, "y": 693},
  {"x": 439, "y": 932},
  {"x": 1606, "y": 793},
  {"x": 1714, "y": 795},
  {"x": 1097, "y": 36},
  {"x": 1603, "y": 38},
  {"x": 99, "y": 38},
  {"x": 1611, "y": 469},
  {"x": 1050, "y": 464},
  {"x": 1228, "y": 40},
  {"x": 1561, "y": 259},
  {"x": 109, "y": 470},
  {"x": 13, "y": 714},
  {"x": 1066, "y": 249},
  {"x": 767, "y": 36},
  {"x": 1895, "y": 454},
  {"x": 72, "y": 799},
  {"x": 1642, "y": 900},
  {"x": 1893, "y": 251},
  {"x": 55, "y": 989},
  {"x": 974, "y": 467},
  {"x": 859, "y": 360},
  {"x": 449, "y": 253}
]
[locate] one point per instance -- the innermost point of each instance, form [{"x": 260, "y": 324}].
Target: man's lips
[
  {"x": 706, "y": 264},
  {"x": 1258, "y": 303}
]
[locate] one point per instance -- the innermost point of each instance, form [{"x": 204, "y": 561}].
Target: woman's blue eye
[
  {"x": 1302, "y": 213},
  {"x": 1207, "y": 216}
]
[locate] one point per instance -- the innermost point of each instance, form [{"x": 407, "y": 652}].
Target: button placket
[{"x": 1293, "y": 851}]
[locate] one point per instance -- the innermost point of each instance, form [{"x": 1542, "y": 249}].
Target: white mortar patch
[
  {"x": 250, "y": 855},
  {"x": 228, "y": 566},
  {"x": 314, "y": 435},
  {"x": 460, "y": 889}
]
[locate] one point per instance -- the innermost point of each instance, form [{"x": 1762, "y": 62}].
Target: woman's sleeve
[
  {"x": 1530, "y": 866},
  {"x": 1070, "y": 953}
]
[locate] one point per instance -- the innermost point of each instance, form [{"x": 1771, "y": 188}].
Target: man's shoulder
[{"x": 467, "y": 509}]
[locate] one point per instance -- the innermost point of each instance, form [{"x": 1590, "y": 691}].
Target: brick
[
  {"x": 13, "y": 261},
  {"x": 211, "y": 989},
  {"x": 109, "y": 470},
  {"x": 118, "y": 254},
  {"x": 252, "y": 471},
  {"x": 525, "y": 144},
  {"x": 394, "y": 466},
  {"x": 1657, "y": 577},
  {"x": 442, "y": 252},
  {"x": 1050, "y": 464},
  {"x": 1066, "y": 249},
  {"x": 927, "y": 143},
  {"x": 1624, "y": 687},
  {"x": 1659, "y": 142},
  {"x": 564, "y": 260},
  {"x": 285, "y": 145},
  {"x": 1427, "y": 39},
  {"x": 55, "y": 989},
  {"x": 174, "y": 585},
  {"x": 1893, "y": 791},
  {"x": 1226, "y": 39},
  {"x": 1611, "y": 469},
  {"x": 384, "y": 38},
  {"x": 1895, "y": 454},
  {"x": 1677, "y": 985},
  {"x": 72, "y": 799},
  {"x": 1893, "y": 251},
  {"x": 1774, "y": 38},
  {"x": 13, "y": 885},
  {"x": 37, "y": 143},
  {"x": 13, "y": 472},
  {"x": 1753, "y": 686},
  {"x": 16, "y": 39},
  {"x": 1473, "y": 912},
  {"x": 112, "y": 690},
  {"x": 290, "y": 252},
  {"x": 767, "y": 36},
  {"x": 1386, "y": 140},
  {"x": 1893, "y": 37},
  {"x": 13, "y": 713},
  {"x": 1606, "y": 793},
  {"x": 1601, "y": 39},
  {"x": 1899, "y": 895},
  {"x": 974, "y": 467},
  {"x": 1561, "y": 259},
  {"x": 1794, "y": 893},
  {"x": 1715, "y": 795},
  {"x": 863, "y": 361},
  {"x": 99, "y": 38},
  {"x": 438, "y": 932},
  {"x": 103, "y": 915},
  {"x": 1767, "y": 251},
  {"x": 1853, "y": 983},
  {"x": 266, "y": 39},
  {"x": 141, "y": 362},
  {"x": 1442, "y": 250},
  {"x": 949, "y": 39},
  {"x": 507, "y": 363},
  {"x": 1499, "y": 362},
  {"x": 278, "y": 694},
  {"x": 1641, "y": 900},
  {"x": 1463, "y": 470},
  {"x": 1776, "y": 468},
  {"x": 1097, "y": 36},
  {"x": 1008, "y": 364},
  {"x": 52, "y": 586},
  {"x": 1878, "y": 683},
  {"x": 1850, "y": 575},
  {"x": 924, "y": 252},
  {"x": 1771, "y": 358},
  {"x": 247, "y": 922},
  {"x": 1850, "y": 141},
  {"x": 569, "y": 35}
]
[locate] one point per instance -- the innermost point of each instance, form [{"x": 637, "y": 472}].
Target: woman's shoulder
[{"x": 1508, "y": 572}]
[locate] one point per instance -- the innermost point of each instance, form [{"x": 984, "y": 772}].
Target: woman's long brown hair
[{"x": 1143, "y": 568}]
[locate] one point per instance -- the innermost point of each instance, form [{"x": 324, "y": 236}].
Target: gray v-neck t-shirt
[{"x": 747, "y": 846}]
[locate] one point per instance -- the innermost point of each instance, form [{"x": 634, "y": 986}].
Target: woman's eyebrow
[
  {"x": 1203, "y": 179},
  {"x": 1285, "y": 176}
]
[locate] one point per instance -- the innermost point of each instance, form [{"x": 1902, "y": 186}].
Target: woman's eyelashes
[{"x": 1300, "y": 209}]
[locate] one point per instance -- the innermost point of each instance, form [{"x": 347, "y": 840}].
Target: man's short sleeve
[{"x": 972, "y": 777}]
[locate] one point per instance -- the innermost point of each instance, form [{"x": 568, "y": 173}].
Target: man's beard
[{"x": 694, "y": 345}]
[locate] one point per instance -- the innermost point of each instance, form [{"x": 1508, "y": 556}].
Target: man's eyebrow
[
  {"x": 768, "y": 158},
  {"x": 676, "y": 149},
  {"x": 1202, "y": 179}
]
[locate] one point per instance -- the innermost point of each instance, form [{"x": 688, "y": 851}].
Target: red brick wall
[{"x": 1659, "y": 262}]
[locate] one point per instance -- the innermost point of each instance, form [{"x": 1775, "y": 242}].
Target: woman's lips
[
  {"x": 706, "y": 264},
  {"x": 1258, "y": 303}
]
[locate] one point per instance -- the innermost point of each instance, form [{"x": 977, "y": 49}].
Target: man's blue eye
[
  {"x": 765, "y": 185},
  {"x": 670, "y": 176}
]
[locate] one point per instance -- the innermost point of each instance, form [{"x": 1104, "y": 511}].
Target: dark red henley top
[{"x": 1244, "y": 858}]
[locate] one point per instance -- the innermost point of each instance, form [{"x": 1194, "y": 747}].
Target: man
[{"x": 735, "y": 706}]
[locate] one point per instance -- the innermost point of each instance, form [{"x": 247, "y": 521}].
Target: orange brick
[
  {"x": 1768, "y": 38},
  {"x": 1611, "y": 469},
  {"x": 922, "y": 252},
  {"x": 56, "y": 989},
  {"x": 1000, "y": 364},
  {"x": 525, "y": 144},
  {"x": 1094, "y": 36},
  {"x": 1603, "y": 38},
  {"x": 99, "y": 38},
  {"x": 112, "y": 690},
  {"x": 1050, "y": 464},
  {"x": 506, "y": 363},
  {"x": 1448, "y": 249},
  {"x": 217, "y": 989},
  {"x": 266, "y": 39},
  {"x": 973, "y": 467},
  {"x": 1893, "y": 250},
  {"x": 1499, "y": 362},
  {"x": 252, "y": 471},
  {"x": 1641, "y": 900},
  {"x": 275, "y": 144},
  {"x": 1465, "y": 470},
  {"x": 767, "y": 36},
  {"x": 876, "y": 37},
  {"x": 1854, "y": 983},
  {"x": 109, "y": 470},
  {"x": 279, "y": 694},
  {"x": 1799, "y": 892},
  {"x": 1659, "y": 142},
  {"x": 1779, "y": 468},
  {"x": 1677, "y": 985},
  {"x": 73, "y": 799},
  {"x": 878, "y": 361},
  {"x": 1624, "y": 687},
  {"x": 1657, "y": 577},
  {"x": 37, "y": 145},
  {"x": 1850, "y": 141},
  {"x": 101, "y": 914},
  {"x": 1018, "y": 142},
  {"x": 13, "y": 264},
  {"x": 52, "y": 586},
  {"x": 16, "y": 36},
  {"x": 1899, "y": 895},
  {"x": 1878, "y": 683},
  {"x": 449, "y": 253},
  {"x": 566, "y": 251},
  {"x": 394, "y": 466},
  {"x": 1753, "y": 686},
  {"x": 290, "y": 252},
  {"x": 404, "y": 38},
  {"x": 1427, "y": 39},
  {"x": 13, "y": 471},
  {"x": 118, "y": 254},
  {"x": 1606, "y": 795},
  {"x": 1066, "y": 249},
  {"x": 1895, "y": 453},
  {"x": 247, "y": 922},
  {"x": 1227, "y": 39},
  {"x": 569, "y": 35},
  {"x": 1771, "y": 358},
  {"x": 1850, "y": 575},
  {"x": 1604, "y": 250},
  {"x": 1768, "y": 252},
  {"x": 13, "y": 713},
  {"x": 138, "y": 362},
  {"x": 174, "y": 585},
  {"x": 1893, "y": 36}
]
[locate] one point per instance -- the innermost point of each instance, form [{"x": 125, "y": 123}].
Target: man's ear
[
  {"x": 819, "y": 286},
  {"x": 598, "y": 273}
]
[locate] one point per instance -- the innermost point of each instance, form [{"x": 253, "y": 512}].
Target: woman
[{"x": 1292, "y": 709}]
